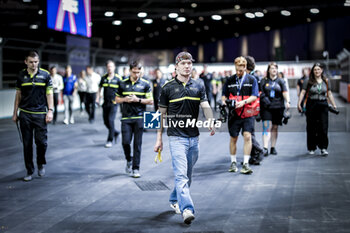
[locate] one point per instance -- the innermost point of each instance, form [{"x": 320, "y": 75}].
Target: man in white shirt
[{"x": 92, "y": 81}]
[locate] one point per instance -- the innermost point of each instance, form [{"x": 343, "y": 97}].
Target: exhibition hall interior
[{"x": 174, "y": 116}]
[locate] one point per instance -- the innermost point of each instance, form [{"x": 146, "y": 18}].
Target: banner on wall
[{"x": 72, "y": 16}]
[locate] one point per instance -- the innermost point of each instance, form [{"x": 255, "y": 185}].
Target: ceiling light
[
  {"x": 191, "y": 21},
  {"x": 117, "y": 38},
  {"x": 267, "y": 28},
  {"x": 194, "y": 5},
  {"x": 147, "y": 21},
  {"x": 34, "y": 26},
  {"x": 200, "y": 18},
  {"x": 198, "y": 30},
  {"x": 109, "y": 13},
  {"x": 117, "y": 22},
  {"x": 237, "y": 19},
  {"x": 237, "y": 7},
  {"x": 194, "y": 43},
  {"x": 216, "y": 17},
  {"x": 314, "y": 11},
  {"x": 138, "y": 29},
  {"x": 308, "y": 20},
  {"x": 142, "y": 14},
  {"x": 168, "y": 29},
  {"x": 150, "y": 35},
  {"x": 40, "y": 12},
  {"x": 347, "y": 3},
  {"x": 259, "y": 14},
  {"x": 156, "y": 33},
  {"x": 181, "y": 19},
  {"x": 175, "y": 27},
  {"x": 249, "y": 15},
  {"x": 236, "y": 34},
  {"x": 285, "y": 13},
  {"x": 265, "y": 11},
  {"x": 173, "y": 15},
  {"x": 206, "y": 27},
  {"x": 182, "y": 10},
  {"x": 226, "y": 21}
]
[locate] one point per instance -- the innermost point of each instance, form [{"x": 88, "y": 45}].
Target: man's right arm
[
  {"x": 159, "y": 142},
  {"x": 15, "y": 108}
]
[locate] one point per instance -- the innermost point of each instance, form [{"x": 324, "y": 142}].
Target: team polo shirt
[
  {"x": 182, "y": 101},
  {"x": 110, "y": 87},
  {"x": 278, "y": 86},
  {"x": 69, "y": 84},
  {"x": 240, "y": 86},
  {"x": 34, "y": 89},
  {"x": 142, "y": 89}
]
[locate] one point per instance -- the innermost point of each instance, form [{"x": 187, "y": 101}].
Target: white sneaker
[
  {"x": 136, "y": 174},
  {"x": 28, "y": 178},
  {"x": 175, "y": 207},
  {"x": 65, "y": 121},
  {"x": 41, "y": 171},
  {"x": 108, "y": 144},
  {"x": 71, "y": 121},
  {"x": 311, "y": 152},
  {"x": 128, "y": 168},
  {"x": 324, "y": 152},
  {"x": 188, "y": 216}
]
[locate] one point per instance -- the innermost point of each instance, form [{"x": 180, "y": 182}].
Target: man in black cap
[{"x": 180, "y": 99}]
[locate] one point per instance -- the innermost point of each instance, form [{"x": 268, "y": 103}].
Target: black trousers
[
  {"x": 155, "y": 103},
  {"x": 317, "y": 124},
  {"x": 55, "y": 103},
  {"x": 33, "y": 124},
  {"x": 109, "y": 113},
  {"x": 82, "y": 96},
  {"x": 132, "y": 128},
  {"x": 90, "y": 99}
]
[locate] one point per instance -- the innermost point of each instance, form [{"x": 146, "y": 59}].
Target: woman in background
[
  {"x": 274, "y": 99},
  {"x": 317, "y": 93}
]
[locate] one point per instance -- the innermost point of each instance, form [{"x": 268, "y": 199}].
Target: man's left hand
[
  {"x": 240, "y": 104},
  {"x": 49, "y": 116}
]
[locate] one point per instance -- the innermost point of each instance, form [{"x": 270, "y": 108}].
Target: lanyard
[
  {"x": 319, "y": 88},
  {"x": 240, "y": 84},
  {"x": 273, "y": 84}
]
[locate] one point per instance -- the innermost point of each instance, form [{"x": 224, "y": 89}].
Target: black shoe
[
  {"x": 266, "y": 152},
  {"x": 273, "y": 151}
]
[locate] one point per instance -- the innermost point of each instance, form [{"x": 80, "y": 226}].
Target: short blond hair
[{"x": 241, "y": 61}]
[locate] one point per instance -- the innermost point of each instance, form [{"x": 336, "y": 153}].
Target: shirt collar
[{"x": 188, "y": 83}]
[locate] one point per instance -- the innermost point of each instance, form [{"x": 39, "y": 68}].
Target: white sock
[
  {"x": 233, "y": 158},
  {"x": 246, "y": 158}
]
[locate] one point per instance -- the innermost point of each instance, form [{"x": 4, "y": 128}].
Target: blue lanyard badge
[
  {"x": 240, "y": 84},
  {"x": 272, "y": 92}
]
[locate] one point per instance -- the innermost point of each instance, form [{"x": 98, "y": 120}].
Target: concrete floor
[{"x": 86, "y": 190}]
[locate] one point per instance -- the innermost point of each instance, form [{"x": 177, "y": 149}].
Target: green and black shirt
[
  {"x": 142, "y": 89},
  {"x": 34, "y": 89},
  {"x": 110, "y": 88},
  {"x": 182, "y": 101}
]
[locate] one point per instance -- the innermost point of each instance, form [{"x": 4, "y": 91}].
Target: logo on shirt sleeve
[{"x": 151, "y": 120}]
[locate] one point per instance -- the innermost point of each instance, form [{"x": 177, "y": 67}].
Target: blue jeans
[{"x": 184, "y": 154}]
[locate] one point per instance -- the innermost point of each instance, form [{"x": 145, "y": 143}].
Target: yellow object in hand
[{"x": 158, "y": 157}]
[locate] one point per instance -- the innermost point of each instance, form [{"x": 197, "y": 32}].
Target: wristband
[
  {"x": 139, "y": 100},
  {"x": 50, "y": 109}
]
